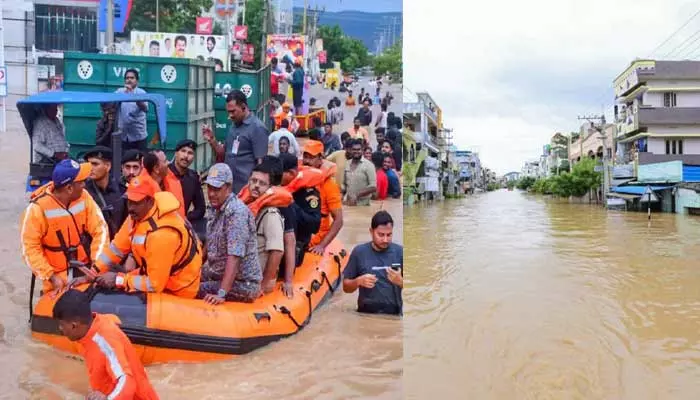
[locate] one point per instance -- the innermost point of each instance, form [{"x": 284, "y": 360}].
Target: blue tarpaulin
[
  {"x": 691, "y": 173},
  {"x": 638, "y": 190},
  {"x": 29, "y": 106}
]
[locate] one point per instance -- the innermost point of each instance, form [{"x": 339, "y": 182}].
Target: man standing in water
[
  {"x": 376, "y": 268},
  {"x": 360, "y": 181},
  {"x": 115, "y": 369}
]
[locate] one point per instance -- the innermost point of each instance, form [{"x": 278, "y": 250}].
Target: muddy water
[
  {"x": 514, "y": 297},
  {"x": 339, "y": 355}
]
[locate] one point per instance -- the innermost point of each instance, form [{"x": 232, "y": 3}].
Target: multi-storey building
[{"x": 658, "y": 112}]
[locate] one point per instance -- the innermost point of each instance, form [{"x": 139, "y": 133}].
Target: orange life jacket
[
  {"x": 307, "y": 177},
  {"x": 182, "y": 277},
  {"x": 172, "y": 184},
  {"x": 53, "y": 234},
  {"x": 275, "y": 196},
  {"x": 328, "y": 170}
]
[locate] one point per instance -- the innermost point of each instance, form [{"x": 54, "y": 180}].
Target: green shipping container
[
  {"x": 256, "y": 85},
  {"x": 188, "y": 87}
]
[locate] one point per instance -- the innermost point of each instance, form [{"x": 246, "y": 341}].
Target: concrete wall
[
  {"x": 657, "y": 145},
  {"x": 686, "y": 198},
  {"x": 683, "y": 99},
  {"x": 649, "y": 158},
  {"x": 19, "y": 37}
]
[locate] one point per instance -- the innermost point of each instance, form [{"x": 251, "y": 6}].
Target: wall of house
[
  {"x": 683, "y": 99},
  {"x": 657, "y": 145},
  {"x": 674, "y": 130},
  {"x": 686, "y": 198}
]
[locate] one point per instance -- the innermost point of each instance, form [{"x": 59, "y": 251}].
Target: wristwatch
[
  {"x": 119, "y": 281},
  {"x": 221, "y": 293}
]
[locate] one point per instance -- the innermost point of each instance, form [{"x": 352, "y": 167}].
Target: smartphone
[{"x": 396, "y": 266}]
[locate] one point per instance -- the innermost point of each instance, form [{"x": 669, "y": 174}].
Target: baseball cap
[
  {"x": 313, "y": 147},
  {"x": 69, "y": 171},
  {"x": 101, "y": 152},
  {"x": 140, "y": 187},
  {"x": 219, "y": 174}
]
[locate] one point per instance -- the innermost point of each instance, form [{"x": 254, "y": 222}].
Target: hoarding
[
  {"x": 287, "y": 48},
  {"x": 181, "y": 45}
]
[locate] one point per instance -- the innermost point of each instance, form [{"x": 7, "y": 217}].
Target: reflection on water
[
  {"x": 512, "y": 296},
  {"x": 339, "y": 355}
]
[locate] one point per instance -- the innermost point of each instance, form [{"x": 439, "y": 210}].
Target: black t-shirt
[
  {"x": 290, "y": 220},
  {"x": 384, "y": 297},
  {"x": 307, "y": 208}
]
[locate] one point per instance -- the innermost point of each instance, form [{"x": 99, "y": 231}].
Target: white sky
[{"x": 508, "y": 74}]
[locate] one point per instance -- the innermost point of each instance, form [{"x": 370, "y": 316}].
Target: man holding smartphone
[{"x": 376, "y": 268}]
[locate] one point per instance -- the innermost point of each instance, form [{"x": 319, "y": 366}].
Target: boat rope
[
  {"x": 284, "y": 310},
  {"x": 328, "y": 282}
]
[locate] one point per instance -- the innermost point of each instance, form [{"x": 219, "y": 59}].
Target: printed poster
[
  {"x": 178, "y": 45},
  {"x": 287, "y": 48}
]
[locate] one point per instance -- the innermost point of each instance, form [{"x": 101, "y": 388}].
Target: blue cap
[
  {"x": 69, "y": 171},
  {"x": 219, "y": 175}
]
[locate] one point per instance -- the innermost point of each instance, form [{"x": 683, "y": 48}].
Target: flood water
[
  {"x": 340, "y": 355},
  {"x": 511, "y": 296}
]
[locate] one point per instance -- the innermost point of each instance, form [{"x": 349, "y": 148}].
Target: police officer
[
  {"x": 307, "y": 203},
  {"x": 131, "y": 167},
  {"x": 104, "y": 189}
]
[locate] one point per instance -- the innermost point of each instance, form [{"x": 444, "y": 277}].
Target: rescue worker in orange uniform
[
  {"x": 62, "y": 223},
  {"x": 155, "y": 165},
  {"x": 166, "y": 250},
  {"x": 331, "y": 199},
  {"x": 115, "y": 369},
  {"x": 307, "y": 200}
]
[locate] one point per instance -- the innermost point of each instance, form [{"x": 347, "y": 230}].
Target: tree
[
  {"x": 254, "y": 15},
  {"x": 350, "y": 52},
  {"x": 390, "y": 61},
  {"x": 176, "y": 16}
]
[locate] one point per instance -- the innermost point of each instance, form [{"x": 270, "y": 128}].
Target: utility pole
[
  {"x": 266, "y": 29},
  {"x": 110, "y": 26},
  {"x": 601, "y": 129},
  {"x": 157, "y": 15},
  {"x": 303, "y": 22}
]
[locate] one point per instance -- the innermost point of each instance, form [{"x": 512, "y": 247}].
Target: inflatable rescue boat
[{"x": 165, "y": 328}]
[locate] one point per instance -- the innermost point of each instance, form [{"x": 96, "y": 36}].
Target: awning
[
  {"x": 624, "y": 196},
  {"x": 638, "y": 190}
]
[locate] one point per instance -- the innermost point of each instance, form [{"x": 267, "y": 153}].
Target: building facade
[{"x": 658, "y": 112}]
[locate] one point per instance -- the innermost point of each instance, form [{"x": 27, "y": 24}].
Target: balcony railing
[{"x": 419, "y": 108}]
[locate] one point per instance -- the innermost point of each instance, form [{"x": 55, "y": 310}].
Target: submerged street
[{"x": 514, "y": 296}]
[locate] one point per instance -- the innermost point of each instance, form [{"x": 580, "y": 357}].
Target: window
[
  {"x": 65, "y": 28},
  {"x": 674, "y": 146},
  {"x": 669, "y": 99}
]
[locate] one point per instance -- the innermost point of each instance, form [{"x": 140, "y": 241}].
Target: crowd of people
[{"x": 271, "y": 202}]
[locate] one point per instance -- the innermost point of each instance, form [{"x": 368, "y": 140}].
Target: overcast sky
[{"x": 508, "y": 74}]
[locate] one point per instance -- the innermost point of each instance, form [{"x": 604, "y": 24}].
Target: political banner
[
  {"x": 180, "y": 45},
  {"x": 287, "y": 48}
]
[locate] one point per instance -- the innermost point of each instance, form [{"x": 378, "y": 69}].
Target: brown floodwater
[
  {"x": 340, "y": 355},
  {"x": 512, "y": 296}
]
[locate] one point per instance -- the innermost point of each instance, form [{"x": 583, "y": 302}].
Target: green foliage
[
  {"x": 492, "y": 186},
  {"x": 351, "y": 53},
  {"x": 511, "y": 184},
  {"x": 577, "y": 183},
  {"x": 390, "y": 61},
  {"x": 254, "y": 19},
  {"x": 525, "y": 183},
  {"x": 176, "y": 16}
]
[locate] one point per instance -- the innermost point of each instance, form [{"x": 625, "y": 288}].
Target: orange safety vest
[
  {"x": 177, "y": 265},
  {"x": 113, "y": 365},
  {"x": 53, "y": 234},
  {"x": 275, "y": 196},
  {"x": 172, "y": 184},
  {"x": 329, "y": 170}
]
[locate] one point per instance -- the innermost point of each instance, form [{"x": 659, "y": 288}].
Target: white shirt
[{"x": 274, "y": 139}]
